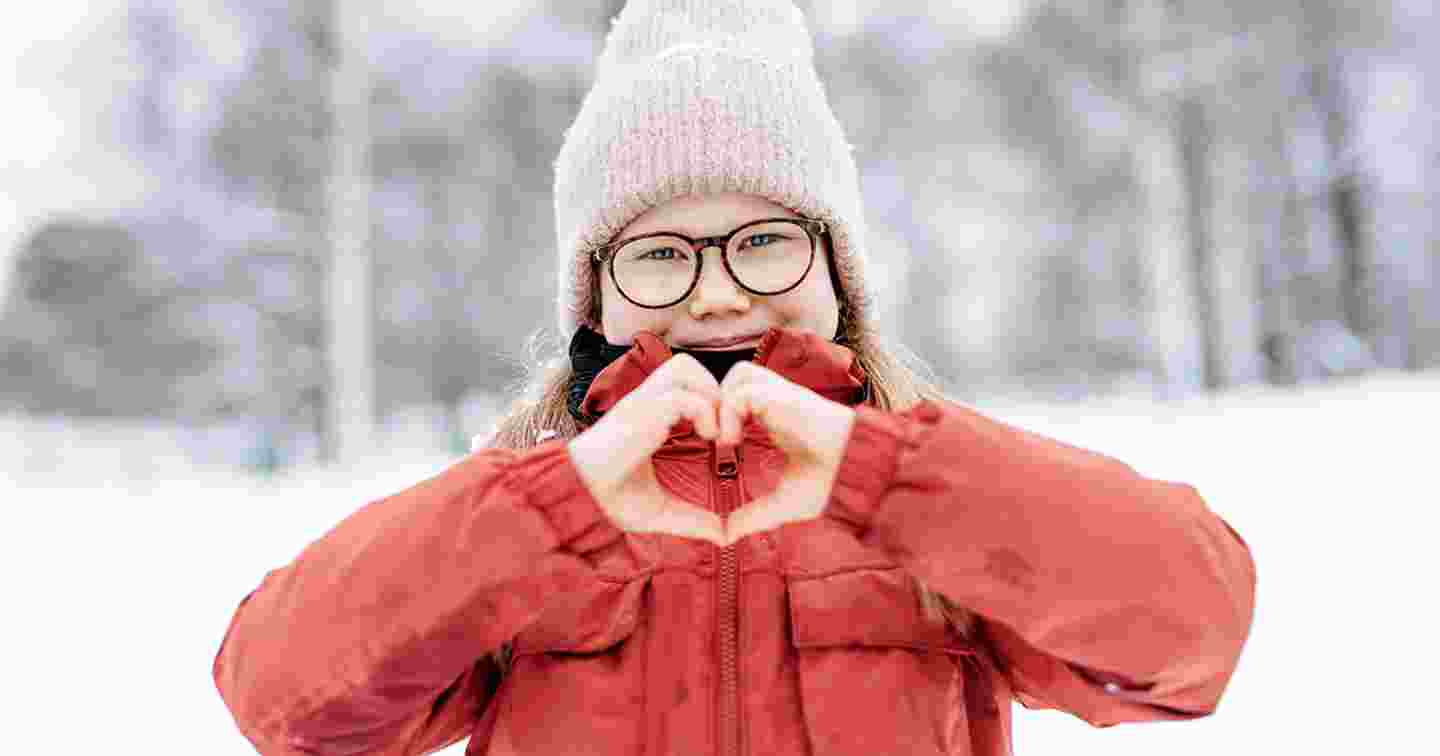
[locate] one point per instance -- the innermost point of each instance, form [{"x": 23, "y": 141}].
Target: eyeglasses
[{"x": 765, "y": 257}]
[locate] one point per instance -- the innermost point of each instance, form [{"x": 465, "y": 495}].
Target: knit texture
[{"x": 702, "y": 97}]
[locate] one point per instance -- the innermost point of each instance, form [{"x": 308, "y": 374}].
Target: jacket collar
[{"x": 802, "y": 357}]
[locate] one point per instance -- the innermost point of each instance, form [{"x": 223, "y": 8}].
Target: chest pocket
[
  {"x": 576, "y": 677},
  {"x": 876, "y": 673}
]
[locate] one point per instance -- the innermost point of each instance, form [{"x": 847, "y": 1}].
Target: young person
[{"x": 734, "y": 519}]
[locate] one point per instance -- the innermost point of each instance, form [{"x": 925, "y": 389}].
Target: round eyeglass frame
[{"x": 813, "y": 228}]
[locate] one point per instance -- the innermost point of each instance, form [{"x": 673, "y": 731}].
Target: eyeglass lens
[{"x": 766, "y": 258}]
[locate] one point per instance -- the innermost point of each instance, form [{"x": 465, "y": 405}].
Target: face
[{"x": 718, "y": 308}]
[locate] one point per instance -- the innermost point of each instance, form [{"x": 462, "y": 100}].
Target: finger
[
  {"x": 745, "y": 394},
  {"x": 699, "y": 410},
  {"x": 637, "y": 426},
  {"x": 685, "y": 370},
  {"x": 693, "y": 376},
  {"x": 741, "y": 373},
  {"x": 681, "y": 371},
  {"x": 684, "y": 519},
  {"x": 755, "y": 517},
  {"x": 711, "y": 527},
  {"x": 729, "y": 422},
  {"x": 736, "y": 405},
  {"x": 736, "y": 527}
]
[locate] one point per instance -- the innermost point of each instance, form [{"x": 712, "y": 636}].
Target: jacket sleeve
[
  {"x": 1103, "y": 593},
  {"x": 374, "y": 639}
]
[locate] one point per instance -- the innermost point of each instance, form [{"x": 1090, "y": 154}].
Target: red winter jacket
[{"x": 1100, "y": 592}]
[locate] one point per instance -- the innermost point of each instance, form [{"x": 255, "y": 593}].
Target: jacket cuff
[
  {"x": 547, "y": 479},
  {"x": 867, "y": 466}
]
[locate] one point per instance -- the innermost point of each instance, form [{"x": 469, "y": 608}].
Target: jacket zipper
[{"x": 726, "y": 464}]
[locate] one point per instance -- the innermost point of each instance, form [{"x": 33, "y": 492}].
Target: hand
[
  {"x": 811, "y": 430},
  {"x": 613, "y": 455}
]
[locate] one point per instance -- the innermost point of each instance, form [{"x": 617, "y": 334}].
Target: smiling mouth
[{"x": 743, "y": 341}]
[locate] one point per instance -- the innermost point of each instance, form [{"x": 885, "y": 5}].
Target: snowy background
[
  {"x": 124, "y": 565},
  {"x": 1197, "y": 236}
]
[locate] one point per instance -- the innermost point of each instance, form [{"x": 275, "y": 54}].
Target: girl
[{"x": 734, "y": 521}]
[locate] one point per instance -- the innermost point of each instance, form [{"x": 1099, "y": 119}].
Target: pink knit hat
[{"x": 701, "y": 97}]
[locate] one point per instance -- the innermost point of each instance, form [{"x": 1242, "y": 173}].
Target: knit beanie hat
[{"x": 702, "y": 97}]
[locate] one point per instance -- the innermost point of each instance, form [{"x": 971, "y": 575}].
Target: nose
[{"x": 716, "y": 291}]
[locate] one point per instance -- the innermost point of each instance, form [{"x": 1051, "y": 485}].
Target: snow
[{"x": 124, "y": 563}]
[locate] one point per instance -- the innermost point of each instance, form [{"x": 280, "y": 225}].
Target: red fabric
[{"x": 1103, "y": 593}]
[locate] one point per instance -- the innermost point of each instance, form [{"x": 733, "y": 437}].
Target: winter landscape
[
  {"x": 125, "y": 564},
  {"x": 1199, "y": 237}
]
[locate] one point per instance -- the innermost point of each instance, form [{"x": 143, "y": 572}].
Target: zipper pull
[{"x": 727, "y": 461}]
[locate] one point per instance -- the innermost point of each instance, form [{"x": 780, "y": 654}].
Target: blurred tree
[
  {"x": 1395, "y": 148},
  {"x": 1211, "y": 193},
  {"x": 272, "y": 149},
  {"x": 1200, "y": 96},
  {"x": 92, "y": 327},
  {"x": 153, "y": 29},
  {"x": 878, "y": 82},
  {"x": 465, "y": 275},
  {"x": 423, "y": 330},
  {"x": 1060, "y": 95},
  {"x": 349, "y": 292}
]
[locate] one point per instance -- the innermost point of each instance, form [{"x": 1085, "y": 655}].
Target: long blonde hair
[{"x": 898, "y": 379}]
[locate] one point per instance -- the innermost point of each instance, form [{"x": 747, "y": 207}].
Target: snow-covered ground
[{"x": 121, "y": 575}]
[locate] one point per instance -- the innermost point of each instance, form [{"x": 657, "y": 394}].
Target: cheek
[
  {"x": 819, "y": 288},
  {"x": 812, "y": 302},
  {"x": 622, "y": 319}
]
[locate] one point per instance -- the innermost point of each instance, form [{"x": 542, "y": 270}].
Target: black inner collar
[{"x": 590, "y": 353}]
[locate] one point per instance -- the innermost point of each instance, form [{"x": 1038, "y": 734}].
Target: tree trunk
[
  {"x": 1172, "y": 312},
  {"x": 349, "y": 294},
  {"x": 1166, "y": 225},
  {"x": 1236, "y": 224},
  {"x": 1347, "y": 205},
  {"x": 1195, "y": 134},
  {"x": 1284, "y": 256}
]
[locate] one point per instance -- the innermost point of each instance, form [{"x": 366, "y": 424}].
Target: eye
[
  {"x": 659, "y": 254},
  {"x": 761, "y": 240}
]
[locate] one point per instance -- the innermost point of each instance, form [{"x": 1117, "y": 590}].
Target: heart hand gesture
[{"x": 613, "y": 456}]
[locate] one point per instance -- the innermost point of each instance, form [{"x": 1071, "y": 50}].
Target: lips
[{"x": 726, "y": 342}]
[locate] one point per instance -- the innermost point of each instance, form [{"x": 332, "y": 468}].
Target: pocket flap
[
  {"x": 586, "y": 620},
  {"x": 867, "y": 608}
]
